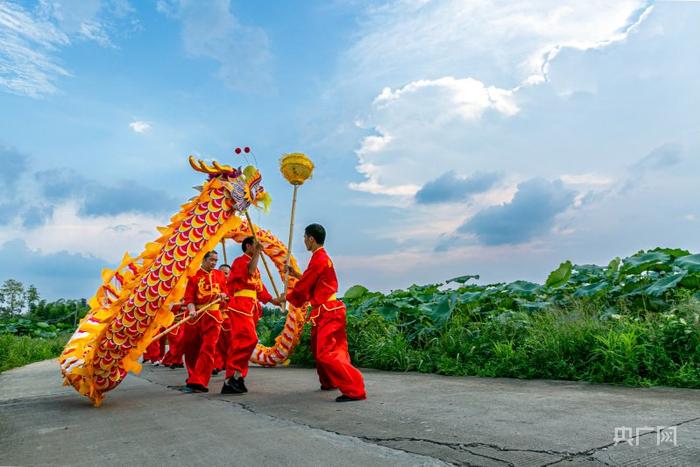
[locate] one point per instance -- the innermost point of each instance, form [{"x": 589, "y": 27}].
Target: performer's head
[
  {"x": 210, "y": 259},
  {"x": 225, "y": 268},
  {"x": 247, "y": 245},
  {"x": 314, "y": 236}
]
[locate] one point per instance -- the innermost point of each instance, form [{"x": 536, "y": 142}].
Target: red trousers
[
  {"x": 243, "y": 313},
  {"x": 155, "y": 350},
  {"x": 223, "y": 344},
  {"x": 329, "y": 345},
  {"x": 199, "y": 345},
  {"x": 175, "y": 350}
]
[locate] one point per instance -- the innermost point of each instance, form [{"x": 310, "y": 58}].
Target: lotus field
[{"x": 635, "y": 321}]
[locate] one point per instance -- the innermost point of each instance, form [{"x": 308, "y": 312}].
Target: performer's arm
[{"x": 253, "y": 264}]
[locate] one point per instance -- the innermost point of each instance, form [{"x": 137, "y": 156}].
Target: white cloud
[
  {"x": 140, "y": 126},
  {"x": 106, "y": 237},
  {"x": 431, "y": 125},
  {"x": 31, "y": 39},
  {"x": 242, "y": 51},
  {"x": 493, "y": 41},
  {"x": 408, "y": 149},
  {"x": 27, "y": 43}
]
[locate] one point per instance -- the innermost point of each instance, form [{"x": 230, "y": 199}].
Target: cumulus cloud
[
  {"x": 531, "y": 213},
  {"x": 56, "y": 275},
  {"x": 449, "y": 187},
  {"x": 14, "y": 165},
  {"x": 96, "y": 199},
  {"x": 36, "y": 215},
  {"x": 451, "y": 54},
  {"x": 416, "y": 129},
  {"x": 242, "y": 51},
  {"x": 140, "y": 126}
]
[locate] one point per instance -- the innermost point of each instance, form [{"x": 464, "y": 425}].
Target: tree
[
  {"x": 31, "y": 298},
  {"x": 12, "y": 298}
]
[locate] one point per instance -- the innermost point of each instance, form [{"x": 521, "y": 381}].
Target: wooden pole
[
  {"x": 223, "y": 247},
  {"x": 262, "y": 254},
  {"x": 289, "y": 247},
  {"x": 180, "y": 323}
]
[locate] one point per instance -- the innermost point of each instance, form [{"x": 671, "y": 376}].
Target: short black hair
[
  {"x": 224, "y": 266},
  {"x": 247, "y": 241},
  {"x": 209, "y": 253},
  {"x": 317, "y": 232}
]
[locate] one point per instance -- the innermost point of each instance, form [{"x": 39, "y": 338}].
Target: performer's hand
[
  {"x": 192, "y": 313},
  {"x": 276, "y": 301},
  {"x": 223, "y": 297},
  {"x": 292, "y": 272},
  {"x": 258, "y": 246}
]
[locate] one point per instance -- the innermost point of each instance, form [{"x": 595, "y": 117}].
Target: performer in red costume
[
  {"x": 329, "y": 344},
  {"x": 155, "y": 351},
  {"x": 244, "y": 309},
  {"x": 173, "y": 357},
  {"x": 204, "y": 287},
  {"x": 224, "y": 342}
]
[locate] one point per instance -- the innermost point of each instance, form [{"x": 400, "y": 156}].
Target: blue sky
[{"x": 492, "y": 137}]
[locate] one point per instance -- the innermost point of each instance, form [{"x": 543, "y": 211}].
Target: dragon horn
[{"x": 201, "y": 166}]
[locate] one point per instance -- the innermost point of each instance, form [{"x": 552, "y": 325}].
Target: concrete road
[{"x": 409, "y": 419}]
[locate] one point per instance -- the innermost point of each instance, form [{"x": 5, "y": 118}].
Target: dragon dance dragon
[{"x": 134, "y": 301}]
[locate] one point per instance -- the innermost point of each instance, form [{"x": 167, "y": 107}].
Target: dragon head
[{"x": 244, "y": 185}]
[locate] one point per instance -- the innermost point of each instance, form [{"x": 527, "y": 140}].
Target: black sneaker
[
  {"x": 242, "y": 384},
  {"x": 194, "y": 388},
  {"x": 328, "y": 388},
  {"x": 345, "y": 398},
  {"x": 232, "y": 386}
]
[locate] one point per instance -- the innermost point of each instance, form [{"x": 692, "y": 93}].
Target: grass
[
  {"x": 645, "y": 348},
  {"x": 16, "y": 351}
]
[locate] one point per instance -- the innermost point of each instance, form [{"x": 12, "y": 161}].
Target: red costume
[
  {"x": 155, "y": 350},
  {"x": 244, "y": 310},
  {"x": 223, "y": 344},
  {"x": 201, "y": 336},
  {"x": 175, "y": 338},
  {"x": 329, "y": 344}
]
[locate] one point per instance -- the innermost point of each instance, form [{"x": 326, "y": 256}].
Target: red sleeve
[
  {"x": 264, "y": 296},
  {"x": 301, "y": 293},
  {"x": 190, "y": 290}
]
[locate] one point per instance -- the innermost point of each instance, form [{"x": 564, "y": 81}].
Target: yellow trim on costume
[{"x": 246, "y": 293}]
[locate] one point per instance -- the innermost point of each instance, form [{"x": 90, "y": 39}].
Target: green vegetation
[
  {"x": 32, "y": 329},
  {"x": 634, "y": 322},
  {"x": 20, "y": 350}
]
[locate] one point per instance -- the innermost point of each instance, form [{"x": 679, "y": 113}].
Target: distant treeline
[{"x": 18, "y": 301}]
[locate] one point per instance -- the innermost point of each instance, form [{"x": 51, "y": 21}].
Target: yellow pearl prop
[{"x": 296, "y": 168}]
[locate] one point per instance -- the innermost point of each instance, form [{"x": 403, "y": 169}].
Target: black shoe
[
  {"x": 232, "y": 386},
  {"x": 215, "y": 372},
  {"x": 328, "y": 388},
  {"x": 242, "y": 383},
  {"x": 177, "y": 365},
  {"x": 194, "y": 388},
  {"x": 345, "y": 398}
]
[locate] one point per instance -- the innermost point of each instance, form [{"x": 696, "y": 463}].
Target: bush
[{"x": 17, "y": 351}]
